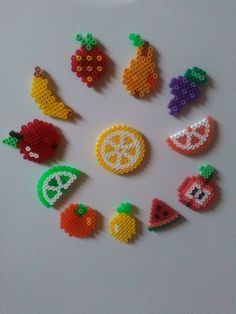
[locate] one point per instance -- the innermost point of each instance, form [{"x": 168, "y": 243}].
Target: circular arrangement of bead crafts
[
  {"x": 78, "y": 220},
  {"x": 120, "y": 149},
  {"x": 37, "y": 140},
  {"x": 89, "y": 62},
  {"x": 140, "y": 76}
]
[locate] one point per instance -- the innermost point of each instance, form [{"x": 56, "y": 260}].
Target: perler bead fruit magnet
[
  {"x": 45, "y": 99},
  {"x": 37, "y": 140},
  {"x": 78, "y": 220},
  {"x": 89, "y": 62},
  {"x": 55, "y": 182},
  {"x": 122, "y": 225},
  {"x": 194, "y": 138},
  {"x": 198, "y": 192},
  {"x": 140, "y": 76},
  {"x": 161, "y": 214},
  {"x": 120, "y": 149},
  {"x": 185, "y": 89}
]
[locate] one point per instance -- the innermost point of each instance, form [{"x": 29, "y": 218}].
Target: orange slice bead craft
[
  {"x": 44, "y": 98},
  {"x": 89, "y": 62},
  {"x": 120, "y": 149},
  {"x": 140, "y": 76},
  {"x": 78, "y": 220},
  {"x": 194, "y": 138}
]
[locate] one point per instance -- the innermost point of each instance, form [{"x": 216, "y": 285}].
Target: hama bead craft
[
  {"x": 198, "y": 192},
  {"x": 78, "y": 220},
  {"x": 120, "y": 149},
  {"x": 194, "y": 138},
  {"x": 55, "y": 182},
  {"x": 122, "y": 225},
  {"x": 45, "y": 99},
  {"x": 37, "y": 140},
  {"x": 89, "y": 62},
  {"x": 140, "y": 76},
  {"x": 185, "y": 89},
  {"x": 161, "y": 214}
]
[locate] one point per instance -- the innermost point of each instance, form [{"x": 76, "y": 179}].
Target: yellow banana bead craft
[
  {"x": 122, "y": 225},
  {"x": 45, "y": 99}
]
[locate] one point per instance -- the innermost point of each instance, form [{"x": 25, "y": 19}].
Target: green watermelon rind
[
  {"x": 47, "y": 173},
  {"x": 163, "y": 223}
]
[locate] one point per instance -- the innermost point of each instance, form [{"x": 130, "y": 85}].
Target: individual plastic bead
[
  {"x": 140, "y": 76},
  {"x": 37, "y": 140},
  {"x": 195, "y": 138},
  {"x": 44, "y": 98},
  {"x": 185, "y": 89},
  {"x": 55, "y": 182},
  {"x": 122, "y": 225},
  {"x": 89, "y": 62},
  {"x": 161, "y": 214},
  {"x": 78, "y": 220},
  {"x": 120, "y": 149},
  {"x": 197, "y": 192}
]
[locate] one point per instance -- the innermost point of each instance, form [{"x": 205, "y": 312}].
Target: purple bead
[{"x": 184, "y": 92}]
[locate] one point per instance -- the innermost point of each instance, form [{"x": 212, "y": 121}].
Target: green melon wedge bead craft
[{"x": 55, "y": 182}]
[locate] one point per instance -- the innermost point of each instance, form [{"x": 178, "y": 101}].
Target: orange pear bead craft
[
  {"x": 140, "y": 76},
  {"x": 198, "y": 192},
  {"x": 44, "y": 98},
  {"x": 89, "y": 62},
  {"x": 193, "y": 139},
  {"x": 78, "y": 220}
]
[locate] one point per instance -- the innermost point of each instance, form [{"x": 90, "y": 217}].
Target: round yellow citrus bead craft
[{"x": 120, "y": 149}]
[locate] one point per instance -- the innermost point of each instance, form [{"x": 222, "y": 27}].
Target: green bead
[
  {"x": 11, "y": 141},
  {"x": 206, "y": 171},
  {"x": 124, "y": 207},
  {"x": 196, "y": 75},
  {"x": 89, "y": 36},
  {"x": 78, "y": 37},
  {"x": 136, "y": 39},
  {"x": 81, "y": 209}
]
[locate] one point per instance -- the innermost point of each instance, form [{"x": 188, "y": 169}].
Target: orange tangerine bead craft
[
  {"x": 37, "y": 140},
  {"x": 140, "y": 76},
  {"x": 122, "y": 225},
  {"x": 89, "y": 62},
  {"x": 120, "y": 149},
  {"x": 44, "y": 98},
  {"x": 198, "y": 192},
  {"x": 161, "y": 214},
  {"x": 55, "y": 182},
  {"x": 78, "y": 220},
  {"x": 193, "y": 139}
]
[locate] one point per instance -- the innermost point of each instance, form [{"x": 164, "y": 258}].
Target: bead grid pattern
[
  {"x": 194, "y": 138},
  {"x": 44, "y": 98},
  {"x": 120, "y": 149},
  {"x": 140, "y": 76},
  {"x": 54, "y": 183}
]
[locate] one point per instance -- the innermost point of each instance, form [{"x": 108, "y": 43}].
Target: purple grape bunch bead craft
[{"x": 185, "y": 89}]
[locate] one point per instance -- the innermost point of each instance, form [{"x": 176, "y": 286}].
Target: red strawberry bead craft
[
  {"x": 37, "y": 140},
  {"x": 198, "y": 192},
  {"x": 89, "y": 62},
  {"x": 78, "y": 220},
  {"x": 161, "y": 214}
]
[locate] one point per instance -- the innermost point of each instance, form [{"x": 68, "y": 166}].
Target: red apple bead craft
[
  {"x": 193, "y": 139},
  {"x": 198, "y": 192},
  {"x": 89, "y": 62},
  {"x": 37, "y": 140},
  {"x": 161, "y": 214},
  {"x": 78, "y": 220},
  {"x": 55, "y": 182}
]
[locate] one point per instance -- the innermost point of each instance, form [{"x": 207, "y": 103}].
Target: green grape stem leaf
[{"x": 196, "y": 75}]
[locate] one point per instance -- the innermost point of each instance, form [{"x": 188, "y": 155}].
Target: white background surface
[{"x": 189, "y": 269}]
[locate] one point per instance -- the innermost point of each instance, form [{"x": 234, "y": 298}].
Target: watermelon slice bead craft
[
  {"x": 89, "y": 62},
  {"x": 55, "y": 182},
  {"x": 193, "y": 139},
  {"x": 198, "y": 192},
  {"x": 161, "y": 214},
  {"x": 185, "y": 89}
]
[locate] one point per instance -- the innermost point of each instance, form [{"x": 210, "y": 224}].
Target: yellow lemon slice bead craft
[
  {"x": 120, "y": 149},
  {"x": 122, "y": 225},
  {"x": 44, "y": 98}
]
